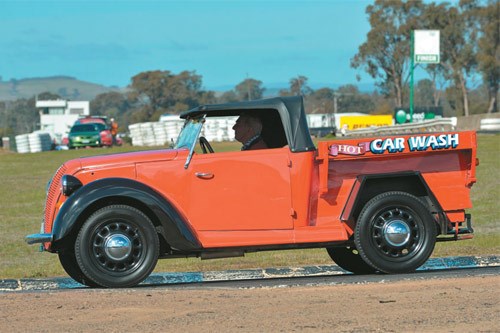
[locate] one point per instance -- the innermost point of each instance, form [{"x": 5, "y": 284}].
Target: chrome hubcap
[
  {"x": 396, "y": 233},
  {"x": 117, "y": 247}
]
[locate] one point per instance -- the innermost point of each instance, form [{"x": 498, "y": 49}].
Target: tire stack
[
  {"x": 490, "y": 124},
  {"x": 148, "y": 136},
  {"x": 164, "y": 132},
  {"x": 172, "y": 129},
  {"x": 35, "y": 142},
  {"x": 210, "y": 129},
  {"x": 22, "y": 143},
  {"x": 160, "y": 134},
  {"x": 142, "y": 134},
  {"x": 228, "y": 134},
  {"x": 135, "y": 134},
  {"x": 39, "y": 142}
]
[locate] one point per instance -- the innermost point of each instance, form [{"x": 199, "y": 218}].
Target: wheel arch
[
  {"x": 175, "y": 231},
  {"x": 367, "y": 187}
]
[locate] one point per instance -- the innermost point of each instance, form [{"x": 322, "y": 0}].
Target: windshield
[
  {"x": 189, "y": 134},
  {"x": 87, "y": 128}
]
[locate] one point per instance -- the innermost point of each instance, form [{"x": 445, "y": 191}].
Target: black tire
[
  {"x": 349, "y": 259},
  {"x": 395, "y": 232},
  {"x": 70, "y": 265},
  {"x": 117, "y": 247}
]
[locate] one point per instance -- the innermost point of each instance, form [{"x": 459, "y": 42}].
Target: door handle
[{"x": 204, "y": 175}]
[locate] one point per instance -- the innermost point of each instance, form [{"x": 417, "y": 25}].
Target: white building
[{"x": 57, "y": 117}]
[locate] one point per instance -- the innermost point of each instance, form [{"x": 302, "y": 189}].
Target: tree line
[{"x": 469, "y": 50}]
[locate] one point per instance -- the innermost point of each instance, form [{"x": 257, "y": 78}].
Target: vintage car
[{"x": 376, "y": 204}]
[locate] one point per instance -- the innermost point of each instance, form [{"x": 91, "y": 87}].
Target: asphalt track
[{"x": 156, "y": 279}]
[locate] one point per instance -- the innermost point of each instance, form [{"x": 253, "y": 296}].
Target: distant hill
[
  {"x": 73, "y": 89},
  {"x": 65, "y": 86}
]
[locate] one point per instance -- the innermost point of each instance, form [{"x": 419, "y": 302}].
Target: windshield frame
[{"x": 189, "y": 136}]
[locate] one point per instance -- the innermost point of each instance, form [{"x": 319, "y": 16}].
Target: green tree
[
  {"x": 321, "y": 101},
  {"x": 350, "y": 99},
  {"x": 425, "y": 93},
  {"x": 111, "y": 104},
  {"x": 6, "y": 126},
  {"x": 298, "y": 86},
  {"x": 488, "y": 55},
  {"x": 22, "y": 116},
  {"x": 158, "y": 92},
  {"x": 458, "y": 26},
  {"x": 249, "y": 89},
  {"x": 435, "y": 18},
  {"x": 228, "y": 97},
  {"x": 385, "y": 54}
]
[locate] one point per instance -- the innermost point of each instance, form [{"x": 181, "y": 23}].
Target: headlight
[{"x": 70, "y": 184}]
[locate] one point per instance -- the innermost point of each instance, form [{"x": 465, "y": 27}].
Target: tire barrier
[
  {"x": 33, "y": 143},
  {"x": 165, "y": 132},
  {"x": 155, "y": 133},
  {"x": 490, "y": 124}
]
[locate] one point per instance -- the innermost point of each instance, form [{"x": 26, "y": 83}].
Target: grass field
[{"x": 23, "y": 178}]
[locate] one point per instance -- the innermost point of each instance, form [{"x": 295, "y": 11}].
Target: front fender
[{"x": 178, "y": 233}]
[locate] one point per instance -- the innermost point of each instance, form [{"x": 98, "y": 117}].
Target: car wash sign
[
  {"x": 426, "y": 46},
  {"x": 398, "y": 145},
  {"x": 415, "y": 143}
]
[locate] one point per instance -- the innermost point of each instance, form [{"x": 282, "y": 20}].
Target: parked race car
[
  {"x": 376, "y": 204},
  {"x": 89, "y": 135}
]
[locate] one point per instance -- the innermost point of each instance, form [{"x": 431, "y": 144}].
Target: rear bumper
[
  {"x": 460, "y": 231},
  {"x": 39, "y": 238}
]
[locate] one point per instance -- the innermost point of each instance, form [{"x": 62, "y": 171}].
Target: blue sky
[{"x": 108, "y": 42}]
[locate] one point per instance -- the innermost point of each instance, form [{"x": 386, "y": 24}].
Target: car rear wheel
[
  {"x": 395, "y": 232},
  {"x": 348, "y": 258},
  {"x": 117, "y": 247}
]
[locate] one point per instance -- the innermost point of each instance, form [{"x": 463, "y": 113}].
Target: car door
[{"x": 244, "y": 190}]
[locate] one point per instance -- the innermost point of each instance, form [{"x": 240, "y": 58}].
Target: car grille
[{"x": 52, "y": 196}]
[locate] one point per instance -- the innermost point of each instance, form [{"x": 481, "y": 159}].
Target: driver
[{"x": 247, "y": 130}]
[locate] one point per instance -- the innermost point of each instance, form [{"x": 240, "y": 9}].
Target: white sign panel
[{"x": 426, "y": 46}]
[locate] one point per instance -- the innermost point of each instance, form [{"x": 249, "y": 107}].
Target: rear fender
[{"x": 368, "y": 186}]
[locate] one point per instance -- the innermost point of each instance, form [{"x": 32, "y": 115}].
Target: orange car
[{"x": 375, "y": 204}]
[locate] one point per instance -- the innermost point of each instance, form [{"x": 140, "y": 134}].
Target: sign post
[{"x": 424, "y": 50}]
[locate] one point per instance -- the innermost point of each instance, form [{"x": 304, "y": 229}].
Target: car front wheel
[
  {"x": 117, "y": 247},
  {"x": 68, "y": 262}
]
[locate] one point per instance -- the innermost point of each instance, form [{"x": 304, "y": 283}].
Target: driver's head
[{"x": 246, "y": 127}]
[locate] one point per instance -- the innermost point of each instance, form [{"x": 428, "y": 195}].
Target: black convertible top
[{"x": 283, "y": 118}]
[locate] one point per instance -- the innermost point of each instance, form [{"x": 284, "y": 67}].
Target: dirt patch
[{"x": 453, "y": 305}]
